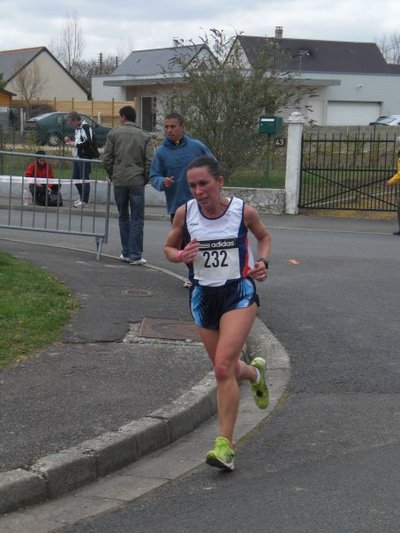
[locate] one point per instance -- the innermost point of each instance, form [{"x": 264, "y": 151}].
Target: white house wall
[
  {"x": 103, "y": 92},
  {"x": 56, "y": 82},
  {"x": 380, "y": 91}
]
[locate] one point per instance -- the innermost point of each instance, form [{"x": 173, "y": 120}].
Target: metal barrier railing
[{"x": 18, "y": 209}]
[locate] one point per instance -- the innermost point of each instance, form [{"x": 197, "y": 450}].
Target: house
[
  {"x": 351, "y": 82},
  {"x": 146, "y": 76},
  {"x": 5, "y": 98},
  {"x": 5, "y": 104},
  {"x": 39, "y": 68}
]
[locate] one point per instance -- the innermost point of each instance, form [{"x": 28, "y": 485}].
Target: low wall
[{"x": 266, "y": 201}]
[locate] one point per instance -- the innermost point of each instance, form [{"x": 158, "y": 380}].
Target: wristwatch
[{"x": 265, "y": 261}]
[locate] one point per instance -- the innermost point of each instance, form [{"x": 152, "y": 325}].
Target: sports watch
[{"x": 265, "y": 261}]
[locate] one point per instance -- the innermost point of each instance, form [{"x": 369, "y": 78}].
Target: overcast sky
[{"x": 114, "y": 26}]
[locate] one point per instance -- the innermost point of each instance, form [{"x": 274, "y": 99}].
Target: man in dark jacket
[{"x": 127, "y": 157}]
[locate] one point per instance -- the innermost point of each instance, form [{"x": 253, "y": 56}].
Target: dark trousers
[
  {"x": 81, "y": 171},
  {"x": 130, "y": 204}
]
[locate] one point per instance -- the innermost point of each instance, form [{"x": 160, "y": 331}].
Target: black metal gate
[{"x": 348, "y": 173}]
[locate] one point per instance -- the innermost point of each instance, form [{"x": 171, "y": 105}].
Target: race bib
[{"x": 217, "y": 260}]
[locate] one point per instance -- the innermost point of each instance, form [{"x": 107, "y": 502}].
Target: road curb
[
  {"x": 59, "y": 473},
  {"x": 56, "y": 474}
]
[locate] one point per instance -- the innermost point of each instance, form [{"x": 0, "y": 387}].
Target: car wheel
[{"x": 53, "y": 139}]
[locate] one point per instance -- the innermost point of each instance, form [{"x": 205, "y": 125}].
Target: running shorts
[{"x": 208, "y": 304}]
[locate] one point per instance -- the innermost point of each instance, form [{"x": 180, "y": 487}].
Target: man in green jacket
[{"x": 127, "y": 157}]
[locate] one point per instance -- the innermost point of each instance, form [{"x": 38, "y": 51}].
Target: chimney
[
  {"x": 278, "y": 32},
  {"x": 175, "y": 42}
]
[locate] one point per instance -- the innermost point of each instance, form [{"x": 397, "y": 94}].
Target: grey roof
[
  {"x": 13, "y": 60},
  {"x": 157, "y": 61},
  {"x": 307, "y": 55}
]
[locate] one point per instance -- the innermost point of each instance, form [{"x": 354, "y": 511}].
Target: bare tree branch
[
  {"x": 29, "y": 82},
  {"x": 69, "y": 45},
  {"x": 390, "y": 47}
]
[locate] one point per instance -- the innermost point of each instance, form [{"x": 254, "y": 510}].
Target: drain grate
[
  {"x": 163, "y": 328},
  {"x": 136, "y": 292}
]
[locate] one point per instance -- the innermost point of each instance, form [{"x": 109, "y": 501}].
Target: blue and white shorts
[{"x": 208, "y": 304}]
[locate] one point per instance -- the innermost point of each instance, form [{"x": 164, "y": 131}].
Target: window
[{"x": 149, "y": 113}]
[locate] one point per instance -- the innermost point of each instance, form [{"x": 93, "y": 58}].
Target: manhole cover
[
  {"x": 136, "y": 292},
  {"x": 163, "y": 328}
]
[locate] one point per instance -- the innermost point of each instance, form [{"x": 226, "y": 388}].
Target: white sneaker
[
  {"x": 123, "y": 258},
  {"x": 79, "y": 203},
  {"x": 138, "y": 262}
]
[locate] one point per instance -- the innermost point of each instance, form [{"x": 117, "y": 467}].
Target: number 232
[{"x": 215, "y": 259}]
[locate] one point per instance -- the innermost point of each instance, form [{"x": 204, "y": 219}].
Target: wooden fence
[{"x": 103, "y": 111}]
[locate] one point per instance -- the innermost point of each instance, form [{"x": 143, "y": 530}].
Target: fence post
[
  {"x": 21, "y": 120},
  {"x": 293, "y": 162}
]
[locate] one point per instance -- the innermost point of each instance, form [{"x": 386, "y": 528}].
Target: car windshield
[
  {"x": 39, "y": 117},
  {"x": 387, "y": 120}
]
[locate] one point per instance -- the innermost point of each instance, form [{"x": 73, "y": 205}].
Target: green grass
[
  {"x": 16, "y": 164},
  {"x": 34, "y": 307},
  {"x": 256, "y": 178}
]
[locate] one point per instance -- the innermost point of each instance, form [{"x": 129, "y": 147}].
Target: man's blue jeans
[
  {"x": 131, "y": 225},
  {"x": 81, "y": 171}
]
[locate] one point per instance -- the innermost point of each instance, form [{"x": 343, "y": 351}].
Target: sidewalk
[
  {"x": 98, "y": 378},
  {"x": 129, "y": 376}
]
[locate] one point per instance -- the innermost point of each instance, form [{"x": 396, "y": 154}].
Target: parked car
[
  {"x": 387, "y": 120},
  {"x": 51, "y": 128}
]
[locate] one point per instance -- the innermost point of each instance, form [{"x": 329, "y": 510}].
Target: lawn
[
  {"x": 34, "y": 307},
  {"x": 257, "y": 178}
]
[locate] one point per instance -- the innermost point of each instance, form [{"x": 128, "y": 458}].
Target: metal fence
[
  {"x": 19, "y": 210},
  {"x": 348, "y": 172}
]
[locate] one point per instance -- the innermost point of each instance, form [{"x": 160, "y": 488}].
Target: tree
[
  {"x": 69, "y": 45},
  {"x": 222, "y": 98},
  {"x": 390, "y": 48},
  {"x": 28, "y": 82},
  {"x": 87, "y": 68}
]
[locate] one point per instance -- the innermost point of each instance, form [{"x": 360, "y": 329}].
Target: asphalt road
[{"x": 327, "y": 460}]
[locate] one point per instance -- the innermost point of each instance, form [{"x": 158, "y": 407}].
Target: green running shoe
[
  {"x": 259, "y": 388},
  {"x": 222, "y": 456}
]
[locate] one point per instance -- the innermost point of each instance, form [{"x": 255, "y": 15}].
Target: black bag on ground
[{"x": 54, "y": 199}]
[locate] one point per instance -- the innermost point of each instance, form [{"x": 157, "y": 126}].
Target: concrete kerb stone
[
  {"x": 65, "y": 471},
  {"x": 191, "y": 409},
  {"x": 56, "y": 474},
  {"x": 19, "y": 488}
]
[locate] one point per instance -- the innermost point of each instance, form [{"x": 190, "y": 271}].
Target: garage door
[{"x": 352, "y": 113}]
